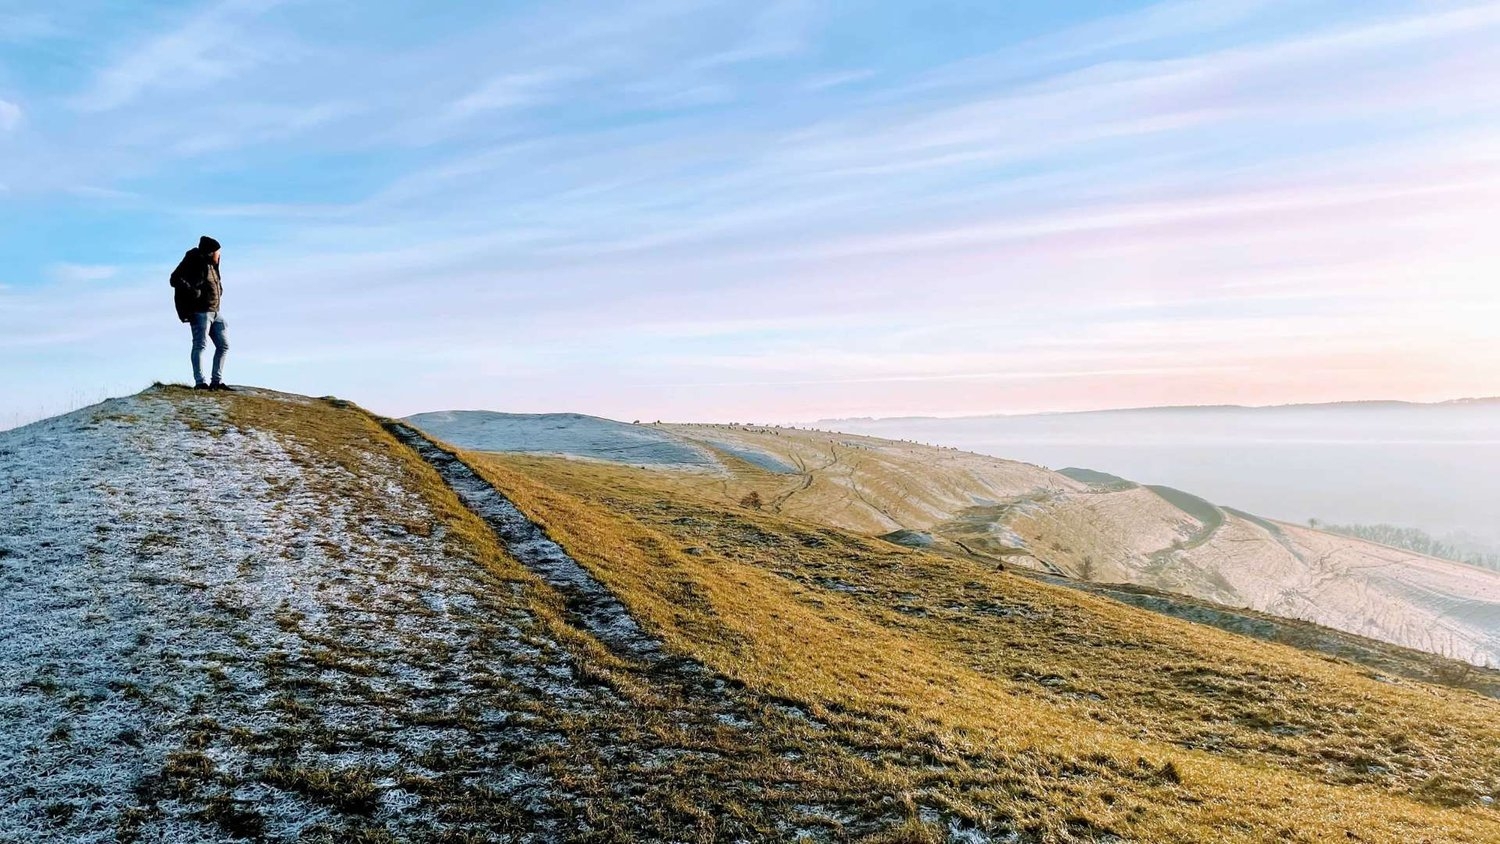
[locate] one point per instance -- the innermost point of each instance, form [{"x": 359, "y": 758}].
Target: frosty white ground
[{"x": 155, "y": 576}]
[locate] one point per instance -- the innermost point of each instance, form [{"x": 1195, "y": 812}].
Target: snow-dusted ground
[
  {"x": 1358, "y": 587},
  {"x": 1117, "y": 531},
  {"x": 1135, "y": 536},
  {"x": 1395, "y": 596},
  {"x": 209, "y": 633},
  {"x": 1386, "y": 593},
  {"x": 160, "y": 584},
  {"x": 760, "y": 457}
]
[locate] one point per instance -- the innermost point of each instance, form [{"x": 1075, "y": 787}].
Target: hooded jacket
[{"x": 196, "y": 283}]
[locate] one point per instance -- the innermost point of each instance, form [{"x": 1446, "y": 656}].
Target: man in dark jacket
[{"x": 198, "y": 291}]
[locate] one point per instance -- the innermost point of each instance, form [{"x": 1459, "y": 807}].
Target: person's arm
[{"x": 180, "y": 279}]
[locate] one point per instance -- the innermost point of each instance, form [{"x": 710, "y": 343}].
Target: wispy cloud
[
  {"x": 204, "y": 49},
  {"x": 777, "y": 29},
  {"x": 837, "y": 79},
  {"x": 511, "y": 90},
  {"x": 1313, "y": 79},
  {"x": 1480, "y": 188},
  {"x": 778, "y": 197},
  {"x": 73, "y": 273},
  {"x": 251, "y": 124}
]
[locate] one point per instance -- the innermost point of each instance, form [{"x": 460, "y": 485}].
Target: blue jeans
[{"x": 208, "y": 326}]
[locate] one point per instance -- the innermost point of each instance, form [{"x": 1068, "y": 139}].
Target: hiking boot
[
  {"x": 202, "y": 386},
  {"x": 221, "y": 387}
]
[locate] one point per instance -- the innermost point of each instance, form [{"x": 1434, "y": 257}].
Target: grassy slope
[
  {"x": 865, "y": 484},
  {"x": 1159, "y": 538},
  {"x": 1003, "y": 697}
]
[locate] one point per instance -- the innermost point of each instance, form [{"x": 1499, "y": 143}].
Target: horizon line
[{"x": 1146, "y": 408}]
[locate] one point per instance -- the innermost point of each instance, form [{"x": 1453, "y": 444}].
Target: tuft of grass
[
  {"x": 348, "y": 790},
  {"x": 237, "y": 818}
]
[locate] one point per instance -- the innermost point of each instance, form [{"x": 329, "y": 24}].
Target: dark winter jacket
[{"x": 197, "y": 285}]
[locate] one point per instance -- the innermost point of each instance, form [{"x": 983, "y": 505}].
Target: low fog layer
[{"x": 1434, "y": 467}]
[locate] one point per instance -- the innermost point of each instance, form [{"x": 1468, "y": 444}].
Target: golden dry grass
[
  {"x": 862, "y": 484},
  {"x": 1066, "y": 714}
]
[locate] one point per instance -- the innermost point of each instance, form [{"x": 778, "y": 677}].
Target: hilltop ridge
[{"x": 270, "y": 617}]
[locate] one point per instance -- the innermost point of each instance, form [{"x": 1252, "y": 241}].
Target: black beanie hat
[{"x": 207, "y": 245}]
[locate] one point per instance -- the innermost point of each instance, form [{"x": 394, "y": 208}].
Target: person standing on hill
[{"x": 199, "y": 289}]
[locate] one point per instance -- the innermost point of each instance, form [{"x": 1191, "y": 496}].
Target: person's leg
[
  {"x": 199, "y": 324},
  {"x": 221, "y": 346}
]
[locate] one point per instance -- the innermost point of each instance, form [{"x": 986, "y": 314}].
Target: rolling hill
[
  {"x": 258, "y": 616},
  {"x": 1076, "y": 524},
  {"x": 1435, "y": 467}
]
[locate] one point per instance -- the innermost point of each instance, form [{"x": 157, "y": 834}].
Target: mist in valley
[{"x": 1433, "y": 467}]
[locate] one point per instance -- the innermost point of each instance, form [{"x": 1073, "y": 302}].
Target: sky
[{"x": 757, "y": 211}]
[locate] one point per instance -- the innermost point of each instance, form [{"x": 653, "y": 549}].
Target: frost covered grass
[
  {"x": 1014, "y": 704},
  {"x": 205, "y": 617}
]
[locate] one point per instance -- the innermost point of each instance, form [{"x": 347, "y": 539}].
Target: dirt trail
[
  {"x": 808, "y": 476},
  {"x": 594, "y": 606}
]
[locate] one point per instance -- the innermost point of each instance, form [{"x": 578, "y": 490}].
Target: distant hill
[
  {"x": 563, "y": 433},
  {"x": 1388, "y": 404},
  {"x": 1434, "y": 468},
  {"x": 1077, "y": 523}
]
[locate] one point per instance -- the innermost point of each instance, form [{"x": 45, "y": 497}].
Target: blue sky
[{"x": 757, "y": 211}]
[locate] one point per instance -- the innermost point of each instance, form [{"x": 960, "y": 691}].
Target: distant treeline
[{"x": 1413, "y": 539}]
